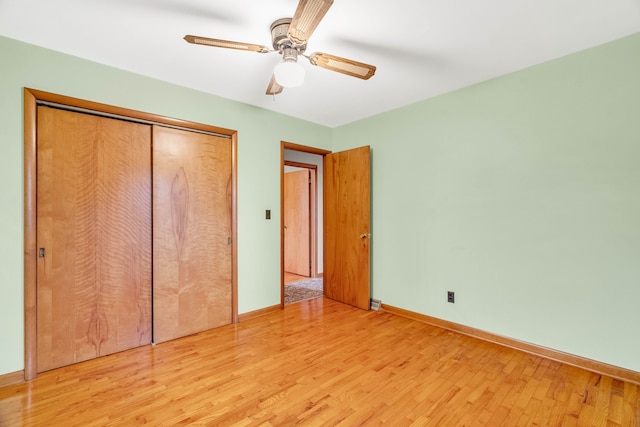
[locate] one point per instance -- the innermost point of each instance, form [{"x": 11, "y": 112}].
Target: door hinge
[{"x": 228, "y": 240}]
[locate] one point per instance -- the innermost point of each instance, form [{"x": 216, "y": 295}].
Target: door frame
[
  {"x": 32, "y": 98},
  {"x": 304, "y": 149},
  {"x": 313, "y": 213}
]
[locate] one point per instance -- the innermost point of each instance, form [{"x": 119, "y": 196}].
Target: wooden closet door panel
[
  {"x": 191, "y": 232},
  {"x": 63, "y": 180},
  {"x": 124, "y": 236},
  {"x": 94, "y": 214}
]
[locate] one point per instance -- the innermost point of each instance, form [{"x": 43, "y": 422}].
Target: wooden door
[
  {"x": 192, "y": 257},
  {"x": 94, "y": 231},
  {"x": 347, "y": 227},
  {"x": 297, "y": 222}
]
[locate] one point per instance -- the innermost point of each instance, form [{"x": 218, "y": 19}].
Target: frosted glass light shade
[{"x": 289, "y": 73}]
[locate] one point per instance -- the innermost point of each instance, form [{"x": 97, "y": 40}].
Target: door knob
[{"x": 365, "y": 235}]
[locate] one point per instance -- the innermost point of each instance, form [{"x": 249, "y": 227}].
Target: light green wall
[
  {"x": 522, "y": 195},
  {"x": 259, "y": 136}
]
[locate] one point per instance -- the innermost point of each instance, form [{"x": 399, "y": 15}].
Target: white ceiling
[{"x": 422, "y": 48}]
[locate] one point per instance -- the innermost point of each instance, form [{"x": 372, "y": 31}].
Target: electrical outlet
[{"x": 451, "y": 297}]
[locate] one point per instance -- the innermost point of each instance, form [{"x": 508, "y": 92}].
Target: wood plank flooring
[
  {"x": 291, "y": 277},
  {"x": 320, "y": 362}
]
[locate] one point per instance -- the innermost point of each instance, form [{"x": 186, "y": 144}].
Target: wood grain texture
[
  {"x": 290, "y": 277},
  {"x": 559, "y": 356},
  {"x": 284, "y": 145},
  {"x": 304, "y": 149},
  {"x": 30, "y": 237},
  {"x": 234, "y": 228},
  {"x": 31, "y": 98},
  {"x": 94, "y": 223},
  {"x": 12, "y": 378},
  {"x": 258, "y": 313},
  {"x": 313, "y": 220},
  {"x": 192, "y": 228},
  {"x": 313, "y": 212},
  {"x": 41, "y": 95},
  {"x": 356, "y": 368},
  {"x": 297, "y": 222},
  {"x": 347, "y": 226}
]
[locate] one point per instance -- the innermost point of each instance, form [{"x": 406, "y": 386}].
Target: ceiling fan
[{"x": 289, "y": 39}]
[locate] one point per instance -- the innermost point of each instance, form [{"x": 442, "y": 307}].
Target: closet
[{"x": 134, "y": 234}]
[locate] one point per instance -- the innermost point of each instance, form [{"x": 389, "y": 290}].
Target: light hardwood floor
[
  {"x": 290, "y": 277},
  {"x": 320, "y": 362}
]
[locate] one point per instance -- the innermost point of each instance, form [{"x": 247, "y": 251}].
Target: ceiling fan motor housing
[{"x": 280, "y": 37}]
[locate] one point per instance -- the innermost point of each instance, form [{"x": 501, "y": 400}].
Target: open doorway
[
  {"x": 344, "y": 231},
  {"x": 301, "y": 279},
  {"x": 302, "y": 230}
]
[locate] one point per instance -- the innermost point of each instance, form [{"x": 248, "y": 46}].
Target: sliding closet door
[
  {"x": 192, "y": 258},
  {"x": 94, "y": 235}
]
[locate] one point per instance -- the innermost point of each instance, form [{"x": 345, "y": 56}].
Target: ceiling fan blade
[
  {"x": 342, "y": 65},
  {"x": 274, "y": 88},
  {"x": 226, "y": 44},
  {"x": 308, "y": 15}
]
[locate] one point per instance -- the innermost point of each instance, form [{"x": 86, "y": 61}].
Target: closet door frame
[{"x": 31, "y": 99}]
